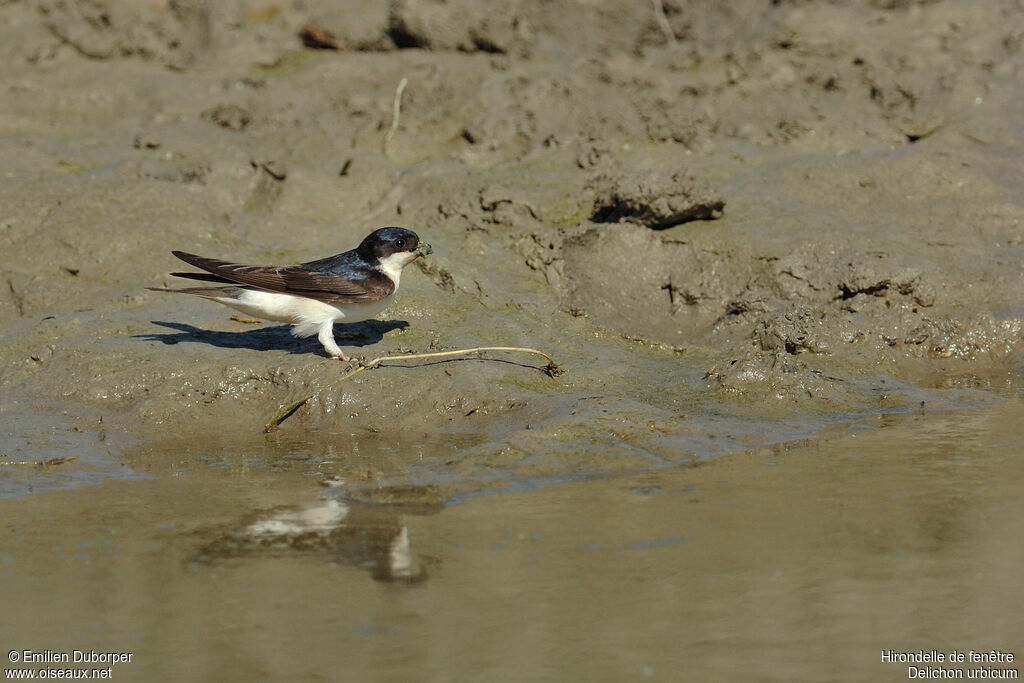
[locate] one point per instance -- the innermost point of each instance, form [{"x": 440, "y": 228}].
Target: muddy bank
[{"x": 731, "y": 224}]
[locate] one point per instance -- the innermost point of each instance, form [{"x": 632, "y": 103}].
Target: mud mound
[
  {"x": 657, "y": 200},
  {"x": 461, "y": 25},
  {"x": 175, "y": 36}
]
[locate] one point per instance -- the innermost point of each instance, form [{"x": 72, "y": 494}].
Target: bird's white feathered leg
[{"x": 326, "y": 337}]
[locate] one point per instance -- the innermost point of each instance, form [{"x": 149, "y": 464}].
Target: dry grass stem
[
  {"x": 551, "y": 369},
  {"x": 659, "y": 15},
  {"x": 42, "y": 464},
  {"x": 396, "y": 112}
]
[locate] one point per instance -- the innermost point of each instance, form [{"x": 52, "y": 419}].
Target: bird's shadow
[{"x": 275, "y": 338}]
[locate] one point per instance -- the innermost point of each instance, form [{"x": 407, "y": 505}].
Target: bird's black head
[{"x": 388, "y": 241}]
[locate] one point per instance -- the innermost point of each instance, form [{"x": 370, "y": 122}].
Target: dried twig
[
  {"x": 551, "y": 369},
  {"x": 659, "y": 16},
  {"x": 42, "y": 464},
  {"x": 396, "y": 112}
]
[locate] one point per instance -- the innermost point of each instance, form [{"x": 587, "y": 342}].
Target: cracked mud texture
[{"x": 860, "y": 164}]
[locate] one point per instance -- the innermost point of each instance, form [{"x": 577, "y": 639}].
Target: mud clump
[
  {"x": 779, "y": 376},
  {"x": 654, "y": 199},
  {"x": 794, "y": 332},
  {"x": 460, "y": 25},
  {"x": 102, "y": 31},
  {"x": 229, "y": 116},
  {"x": 316, "y": 37}
]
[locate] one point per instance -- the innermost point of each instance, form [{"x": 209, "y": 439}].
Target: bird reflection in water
[{"x": 371, "y": 537}]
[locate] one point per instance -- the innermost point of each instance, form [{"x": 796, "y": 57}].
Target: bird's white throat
[{"x": 392, "y": 265}]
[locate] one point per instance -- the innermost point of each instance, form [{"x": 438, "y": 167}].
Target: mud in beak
[{"x": 423, "y": 249}]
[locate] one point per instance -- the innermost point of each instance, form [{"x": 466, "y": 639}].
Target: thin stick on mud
[
  {"x": 659, "y": 15},
  {"x": 42, "y": 464},
  {"x": 551, "y": 370},
  {"x": 396, "y": 112}
]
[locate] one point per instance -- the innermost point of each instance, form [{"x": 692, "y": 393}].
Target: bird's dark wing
[
  {"x": 205, "y": 277},
  {"x": 205, "y": 292},
  {"x": 353, "y": 283}
]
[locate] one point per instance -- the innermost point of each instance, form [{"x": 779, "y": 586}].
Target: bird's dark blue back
[{"x": 349, "y": 263}]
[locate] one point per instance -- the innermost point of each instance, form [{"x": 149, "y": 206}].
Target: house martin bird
[{"x": 349, "y": 287}]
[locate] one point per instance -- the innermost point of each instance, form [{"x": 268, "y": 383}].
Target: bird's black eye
[{"x": 400, "y": 244}]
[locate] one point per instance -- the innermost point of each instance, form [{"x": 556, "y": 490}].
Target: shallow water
[{"x": 799, "y": 562}]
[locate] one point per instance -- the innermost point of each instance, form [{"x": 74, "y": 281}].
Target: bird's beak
[{"x": 424, "y": 249}]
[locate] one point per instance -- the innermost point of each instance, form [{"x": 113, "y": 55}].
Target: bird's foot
[{"x": 326, "y": 337}]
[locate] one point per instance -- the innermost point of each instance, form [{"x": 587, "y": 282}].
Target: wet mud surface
[
  {"x": 733, "y": 225},
  {"x": 736, "y": 212}
]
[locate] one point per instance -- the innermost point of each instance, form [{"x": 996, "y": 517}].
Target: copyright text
[{"x": 92, "y": 664}]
